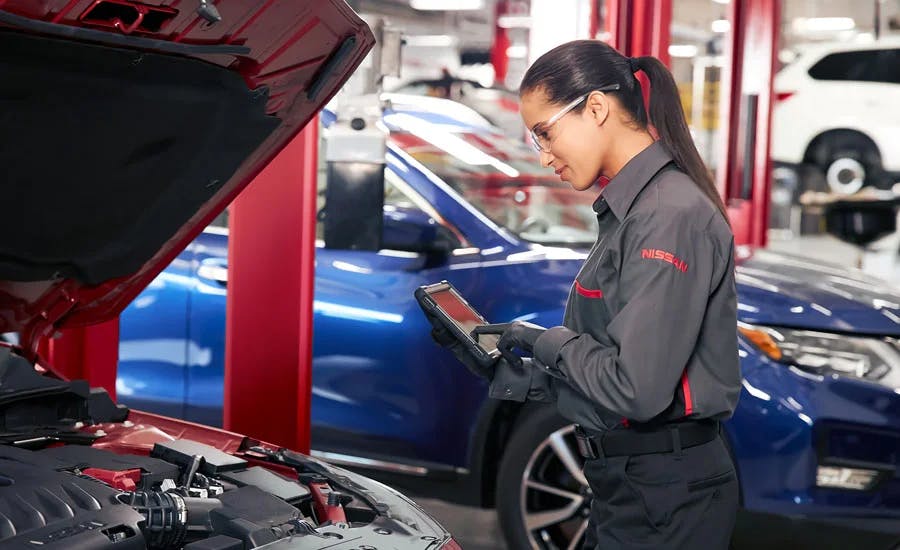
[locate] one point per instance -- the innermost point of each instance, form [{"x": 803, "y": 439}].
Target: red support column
[
  {"x": 650, "y": 34},
  {"x": 501, "y": 43},
  {"x": 594, "y": 16},
  {"x": 271, "y": 259},
  {"x": 617, "y": 13},
  {"x": 662, "y": 30},
  {"x": 87, "y": 353},
  {"x": 640, "y": 27},
  {"x": 650, "y": 28},
  {"x": 745, "y": 169}
]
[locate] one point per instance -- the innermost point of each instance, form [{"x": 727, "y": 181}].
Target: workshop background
[{"x": 291, "y": 316}]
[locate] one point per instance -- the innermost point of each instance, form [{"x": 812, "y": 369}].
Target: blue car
[{"x": 815, "y": 438}]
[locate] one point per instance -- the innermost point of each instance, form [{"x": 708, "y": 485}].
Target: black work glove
[
  {"x": 516, "y": 335},
  {"x": 445, "y": 339}
]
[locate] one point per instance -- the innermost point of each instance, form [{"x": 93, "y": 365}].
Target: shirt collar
[{"x": 621, "y": 191}]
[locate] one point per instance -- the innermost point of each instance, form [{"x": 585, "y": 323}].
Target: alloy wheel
[{"x": 555, "y": 498}]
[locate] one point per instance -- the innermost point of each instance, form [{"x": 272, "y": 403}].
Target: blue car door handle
[{"x": 213, "y": 269}]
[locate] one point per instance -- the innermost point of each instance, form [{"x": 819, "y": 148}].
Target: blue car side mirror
[{"x": 412, "y": 230}]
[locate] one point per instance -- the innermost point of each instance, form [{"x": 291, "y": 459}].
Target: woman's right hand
[{"x": 515, "y": 335}]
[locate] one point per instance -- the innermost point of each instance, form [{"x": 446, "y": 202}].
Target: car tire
[
  {"x": 543, "y": 501},
  {"x": 849, "y": 161}
]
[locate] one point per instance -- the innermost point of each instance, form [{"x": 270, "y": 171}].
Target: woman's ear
[{"x": 598, "y": 106}]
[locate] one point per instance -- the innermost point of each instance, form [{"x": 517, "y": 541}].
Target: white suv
[{"x": 838, "y": 108}]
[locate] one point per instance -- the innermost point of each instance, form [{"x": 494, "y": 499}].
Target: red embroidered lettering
[{"x": 668, "y": 257}]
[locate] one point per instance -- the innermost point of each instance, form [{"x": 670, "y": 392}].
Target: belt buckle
[{"x": 584, "y": 442}]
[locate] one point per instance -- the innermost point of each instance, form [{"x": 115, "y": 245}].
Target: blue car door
[
  {"x": 376, "y": 371},
  {"x": 153, "y": 342},
  {"x": 205, "y": 370}
]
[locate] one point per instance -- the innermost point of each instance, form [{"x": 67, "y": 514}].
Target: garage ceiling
[
  {"x": 473, "y": 28},
  {"x": 691, "y": 19}
]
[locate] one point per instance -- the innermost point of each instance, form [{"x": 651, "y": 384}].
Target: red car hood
[{"x": 126, "y": 127}]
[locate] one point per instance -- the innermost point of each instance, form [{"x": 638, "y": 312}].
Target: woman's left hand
[{"x": 518, "y": 334}]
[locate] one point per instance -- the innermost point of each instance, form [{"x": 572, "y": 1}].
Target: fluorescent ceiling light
[
  {"x": 516, "y": 52},
  {"x": 682, "y": 50},
  {"x": 721, "y": 25},
  {"x": 430, "y": 40},
  {"x": 514, "y": 22},
  {"x": 823, "y": 24},
  {"x": 447, "y": 5}
]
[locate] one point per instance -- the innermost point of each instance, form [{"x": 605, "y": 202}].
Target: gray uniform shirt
[{"x": 650, "y": 328}]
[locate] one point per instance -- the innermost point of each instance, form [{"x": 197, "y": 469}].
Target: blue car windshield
[{"x": 503, "y": 179}]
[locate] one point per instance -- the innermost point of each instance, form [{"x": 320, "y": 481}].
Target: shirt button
[{"x": 508, "y": 390}]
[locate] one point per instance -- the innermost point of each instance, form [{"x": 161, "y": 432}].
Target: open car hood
[{"x": 126, "y": 127}]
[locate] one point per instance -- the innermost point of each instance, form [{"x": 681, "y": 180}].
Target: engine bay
[
  {"x": 182, "y": 496},
  {"x": 60, "y": 488}
]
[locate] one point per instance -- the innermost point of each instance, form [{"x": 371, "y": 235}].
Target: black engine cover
[{"x": 47, "y": 509}]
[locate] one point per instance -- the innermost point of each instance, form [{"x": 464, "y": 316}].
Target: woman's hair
[{"x": 576, "y": 68}]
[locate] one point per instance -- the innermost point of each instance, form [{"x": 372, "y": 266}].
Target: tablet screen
[{"x": 464, "y": 316}]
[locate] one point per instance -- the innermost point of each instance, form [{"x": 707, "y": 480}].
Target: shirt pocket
[{"x": 591, "y": 312}]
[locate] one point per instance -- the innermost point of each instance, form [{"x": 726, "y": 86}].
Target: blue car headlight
[{"x": 864, "y": 358}]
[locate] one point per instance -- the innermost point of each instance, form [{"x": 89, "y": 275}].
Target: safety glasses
[{"x": 539, "y": 137}]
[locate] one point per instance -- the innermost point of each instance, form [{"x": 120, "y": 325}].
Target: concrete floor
[{"x": 473, "y": 528}]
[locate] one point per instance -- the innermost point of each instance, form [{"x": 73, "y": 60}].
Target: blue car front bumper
[{"x": 789, "y": 424}]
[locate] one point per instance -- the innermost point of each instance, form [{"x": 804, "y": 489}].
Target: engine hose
[
  {"x": 169, "y": 517},
  {"x": 165, "y": 517}
]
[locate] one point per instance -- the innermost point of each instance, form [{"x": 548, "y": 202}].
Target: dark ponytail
[
  {"x": 578, "y": 67},
  {"x": 667, "y": 116}
]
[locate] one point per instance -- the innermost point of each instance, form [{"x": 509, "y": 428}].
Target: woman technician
[{"x": 645, "y": 362}]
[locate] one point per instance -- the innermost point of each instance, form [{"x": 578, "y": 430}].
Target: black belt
[{"x": 664, "y": 439}]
